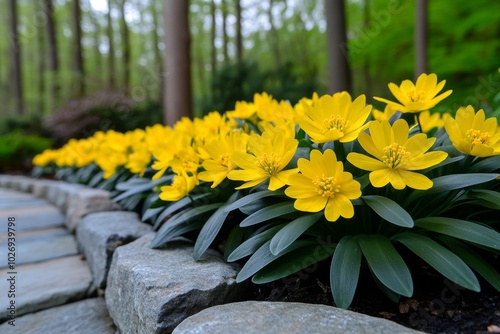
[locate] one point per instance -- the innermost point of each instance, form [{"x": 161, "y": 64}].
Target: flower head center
[
  {"x": 415, "y": 96},
  {"x": 326, "y": 186},
  {"x": 395, "y": 155},
  {"x": 476, "y": 137},
  {"x": 179, "y": 185},
  {"x": 268, "y": 163},
  {"x": 223, "y": 159},
  {"x": 335, "y": 122}
]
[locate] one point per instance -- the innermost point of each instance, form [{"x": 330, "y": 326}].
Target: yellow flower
[
  {"x": 471, "y": 134},
  {"x": 396, "y": 155},
  {"x": 219, "y": 163},
  {"x": 417, "y": 97},
  {"x": 428, "y": 121},
  {"x": 181, "y": 185},
  {"x": 383, "y": 115},
  {"x": 323, "y": 184},
  {"x": 266, "y": 160},
  {"x": 46, "y": 157},
  {"x": 335, "y": 117}
]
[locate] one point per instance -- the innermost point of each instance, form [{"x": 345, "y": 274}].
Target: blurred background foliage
[{"x": 118, "y": 82}]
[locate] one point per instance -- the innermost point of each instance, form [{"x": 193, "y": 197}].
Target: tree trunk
[
  {"x": 274, "y": 36},
  {"x": 41, "y": 70},
  {"x": 16, "y": 59},
  {"x": 53, "y": 51},
  {"x": 177, "y": 62},
  {"x": 366, "y": 65},
  {"x": 156, "y": 50},
  {"x": 239, "y": 37},
  {"x": 111, "y": 50},
  {"x": 421, "y": 38},
  {"x": 97, "y": 51},
  {"x": 213, "y": 54},
  {"x": 125, "y": 45},
  {"x": 338, "y": 65},
  {"x": 225, "y": 38},
  {"x": 78, "y": 58}
]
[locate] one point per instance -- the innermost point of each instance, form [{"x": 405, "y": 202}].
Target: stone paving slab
[
  {"x": 39, "y": 245},
  {"x": 32, "y": 217},
  {"x": 88, "y": 316},
  {"x": 43, "y": 285}
]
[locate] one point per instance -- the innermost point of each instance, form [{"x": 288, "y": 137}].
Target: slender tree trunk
[
  {"x": 421, "y": 38},
  {"x": 213, "y": 54},
  {"x": 125, "y": 45},
  {"x": 97, "y": 51},
  {"x": 274, "y": 36},
  {"x": 156, "y": 51},
  {"x": 339, "y": 72},
  {"x": 15, "y": 51},
  {"x": 366, "y": 65},
  {"x": 78, "y": 57},
  {"x": 239, "y": 37},
  {"x": 111, "y": 50},
  {"x": 53, "y": 52},
  {"x": 41, "y": 71},
  {"x": 177, "y": 62},
  {"x": 225, "y": 38}
]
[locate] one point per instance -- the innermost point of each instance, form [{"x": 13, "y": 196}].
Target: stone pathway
[{"x": 45, "y": 285}]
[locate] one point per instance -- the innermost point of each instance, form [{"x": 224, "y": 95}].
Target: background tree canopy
[{"x": 238, "y": 48}]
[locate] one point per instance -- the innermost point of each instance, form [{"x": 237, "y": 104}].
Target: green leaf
[
  {"x": 262, "y": 257},
  {"x": 477, "y": 263},
  {"x": 389, "y": 210},
  {"x": 267, "y": 213},
  {"x": 488, "y": 195},
  {"x": 459, "y": 181},
  {"x": 386, "y": 263},
  {"x": 344, "y": 271},
  {"x": 250, "y": 198},
  {"x": 253, "y": 244},
  {"x": 211, "y": 228},
  {"x": 293, "y": 262},
  {"x": 462, "y": 229},
  {"x": 234, "y": 239},
  {"x": 488, "y": 165},
  {"x": 184, "y": 216},
  {"x": 291, "y": 231},
  {"x": 140, "y": 186},
  {"x": 440, "y": 258}
]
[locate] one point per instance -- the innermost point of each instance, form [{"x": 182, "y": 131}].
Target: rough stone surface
[
  {"x": 41, "y": 188},
  {"x": 87, "y": 201},
  {"x": 33, "y": 217},
  {"x": 99, "y": 234},
  {"x": 52, "y": 192},
  {"x": 152, "y": 291},
  {"x": 47, "y": 284},
  {"x": 254, "y": 317},
  {"x": 64, "y": 191},
  {"x": 89, "y": 316},
  {"x": 40, "y": 245}
]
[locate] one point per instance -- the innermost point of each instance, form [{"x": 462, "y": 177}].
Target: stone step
[
  {"x": 253, "y": 317},
  {"x": 39, "y": 286},
  {"x": 88, "y": 316},
  {"x": 39, "y": 245},
  {"x": 32, "y": 217}
]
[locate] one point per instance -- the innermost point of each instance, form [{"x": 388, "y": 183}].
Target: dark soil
[{"x": 437, "y": 306}]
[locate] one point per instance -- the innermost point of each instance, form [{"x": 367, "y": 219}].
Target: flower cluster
[{"x": 329, "y": 158}]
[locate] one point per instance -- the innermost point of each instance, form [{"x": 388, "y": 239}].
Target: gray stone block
[
  {"x": 254, "y": 317},
  {"x": 152, "y": 291},
  {"x": 64, "y": 191},
  {"x": 43, "y": 285},
  {"x": 52, "y": 192},
  {"x": 41, "y": 188},
  {"x": 86, "y": 201},
  {"x": 88, "y": 316},
  {"x": 99, "y": 234}
]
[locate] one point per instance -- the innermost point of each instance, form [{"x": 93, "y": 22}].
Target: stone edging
[{"x": 154, "y": 290}]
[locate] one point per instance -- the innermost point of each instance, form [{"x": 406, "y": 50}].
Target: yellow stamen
[
  {"x": 336, "y": 122},
  {"x": 395, "y": 155},
  {"x": 476, "y": 137},
  {"x": 268, "y": 163},
  {"x": 223, "y": 159},
  {"x": 416, "y": 96},
  {"x": 326, "y": 186}
]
